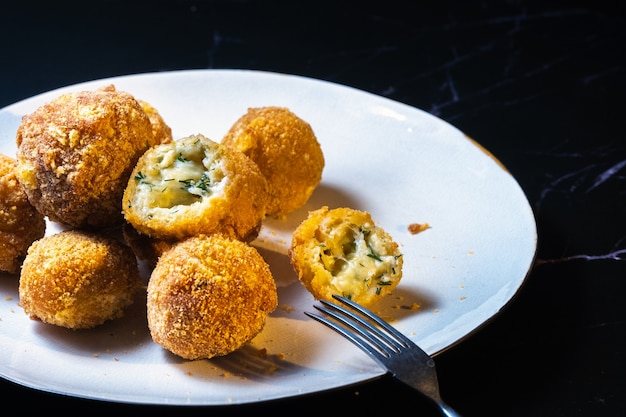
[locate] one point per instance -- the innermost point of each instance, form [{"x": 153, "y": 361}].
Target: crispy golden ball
[
  {"x": 208, "y": 296},
  {"x": 20, "y": 223},
  {"x": 341, "y": 251},
  {"x": 161, "y": 131},
  {"x": 78, "y": 280},
  {"x": 195, "y": 186},
  {"x": 76, "y": 152},
  {"x": 286, "y": 150}
]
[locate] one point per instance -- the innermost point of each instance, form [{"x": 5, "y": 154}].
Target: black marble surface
[{"x": 541, "y": 84}]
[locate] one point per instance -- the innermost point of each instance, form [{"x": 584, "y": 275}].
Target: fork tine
[
  {"x": 378, "y": 320},
  {"x": 352, "y": 328},
  {"x": 366, "y": 329},
  {"x": 394, "y": 351},
  {"x": 368, "y": 348}
]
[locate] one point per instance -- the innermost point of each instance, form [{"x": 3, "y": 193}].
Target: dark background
[{"x": 540, "y": 84}]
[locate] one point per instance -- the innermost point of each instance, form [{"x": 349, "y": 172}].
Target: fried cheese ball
[
  {"x": 76, "y": 152},
  {"x": 342, "y": 251},
  {"x": 20, "y": 223},
  {"x": 195, "y": 186},
  {"x": 286, "y": 150},
  {"x": 144, "y": 247},
  {"x": 78, "y": 280},
  {"x": 160, "y": 130},
  {"x": 208, "y": 296}
]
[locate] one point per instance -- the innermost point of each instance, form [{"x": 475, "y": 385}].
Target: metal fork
[{"x": 395, "y": 352}]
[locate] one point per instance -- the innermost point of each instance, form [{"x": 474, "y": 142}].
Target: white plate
[{"x": 399, "y": 163}]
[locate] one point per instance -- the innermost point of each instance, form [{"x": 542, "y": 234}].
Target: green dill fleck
[
  {"x": 203, "y": 184},
  {"x": 141, "y": 179},
  {"x": 181, "y": 158},
  {"x": 373, "y": 254}
]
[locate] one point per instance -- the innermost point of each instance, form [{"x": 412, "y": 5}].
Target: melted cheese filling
[
  {"x": 180, "y": 176},
  {"x": 357, "y": 260}
]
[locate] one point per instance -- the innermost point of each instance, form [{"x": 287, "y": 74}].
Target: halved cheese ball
[
  {"x": 342, "y": 251},
  {"x": 195, "y": 186}
]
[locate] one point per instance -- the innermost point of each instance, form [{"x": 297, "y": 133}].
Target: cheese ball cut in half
[
  {"x": 209, "y": 295},
  {"x": 76, "y": 152},
  {"x": 78, "y": 280},
  {"x": 20, "y": 223},
  {"x": 195, "y": 186},
  {"x": 342, "y": 251},
  {"x": 286, "y": 150}
]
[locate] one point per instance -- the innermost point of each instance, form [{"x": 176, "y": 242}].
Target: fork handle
[{"x": 446, "y": 410}]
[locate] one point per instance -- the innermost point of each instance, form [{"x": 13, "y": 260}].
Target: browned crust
[
  {"x": 285, "y": 148},
  {"x": 75, "y": 154},
  {"x": 144, "y": 247},
  {"x": 20, "y": 223},
  {"x": 208, "y": 296},
  {"x": 161, "y": 131},
  {"x": 78, "y": 280}
]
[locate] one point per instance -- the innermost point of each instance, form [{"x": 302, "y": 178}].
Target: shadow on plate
[
  {"x": 124, "y": 334},
  {"x": 255, "y": 364}
]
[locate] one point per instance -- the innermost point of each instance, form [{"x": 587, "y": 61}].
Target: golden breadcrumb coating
[
  {"x": 341, "y": 251},
  {"x": 195, "y": 186},
  {"x": 208, "y": 296},
  {"x": 78, "y": 280},
  {"x": 286, "y": 150},
  {"x": 161, "y": 131},
  {"x": 144, "y": 247},
  {"x": 20, "y": 223},
  {"x": 76, "y": 152}
]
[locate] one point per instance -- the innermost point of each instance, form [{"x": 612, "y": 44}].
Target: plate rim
[{"x": 520, "y": 284}]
